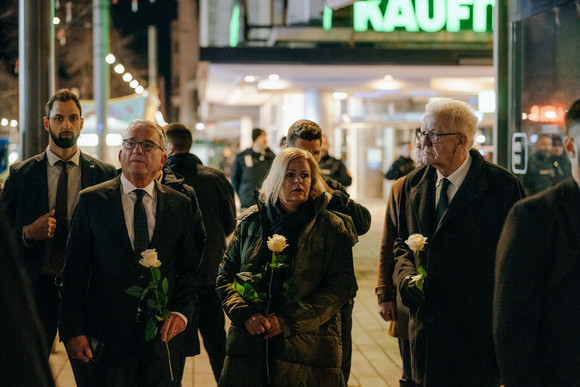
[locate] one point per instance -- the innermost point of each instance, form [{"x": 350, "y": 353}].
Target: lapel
[
  {"x": 116, "y": 214},
  {"x": 474, "y": 185},
  {"x": 87, "y": 172},
  {"x": 423, "y": 202},
  {"x": 160, "y": 218}
]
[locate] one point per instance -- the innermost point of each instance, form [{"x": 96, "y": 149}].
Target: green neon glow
[
  {"x": 235, "y": 26},
  {"x": 417, "y": 15},
  {"x": 400, "y": 13},
  {"x": 480, "y": 14},
  {"x": 426, "y": 23},
  {"x": 327, "y": 19},
  {"x": 457, "y": 10},
  {"x": 365, "y": 11}
]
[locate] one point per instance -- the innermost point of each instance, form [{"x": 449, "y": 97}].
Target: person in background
[
  {"x": 403, "y": 165},
  {"x": 250, "y": 168},
  {"x": 391, "y": 307},
  {"x": 307, "y": 135},
  {"x": 114, "y": 222},
  {"x": 39, "y": 197},
  {"x": 293, "y": 336},
  {"x": 23, "y": 359},
  {"x": 216, "y": 199},
  {"x": 540, "y": 173},
  {"x": 560, "y": 161},
  {"x": 536, "y": 292},
  {"x": 450, "y": 327},
  {"x": 331, "y": 167},
  {"x": 283, "y": 144}
]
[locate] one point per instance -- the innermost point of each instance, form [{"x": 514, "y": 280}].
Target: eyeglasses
[
  {"x": 432, "y": 136},
  {"x": 146, "y": 146}
]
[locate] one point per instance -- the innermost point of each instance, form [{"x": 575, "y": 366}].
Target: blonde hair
[
  {"x": 272, "y": 185},
  {"x": 458, "y": 113}
]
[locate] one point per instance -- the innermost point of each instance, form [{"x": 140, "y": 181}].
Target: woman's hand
[
  {"x": 257, "y": 324},
  {"x": 275, "y": 327}
]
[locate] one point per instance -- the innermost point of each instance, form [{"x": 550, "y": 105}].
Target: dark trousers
[
  {"x": 405, "y": 350},
  {"x": 346, "y": 337},
  {"x": 47, "y": 299},
  {"x": 140, "y": 367},
  {"x": 211, "y": 323}
]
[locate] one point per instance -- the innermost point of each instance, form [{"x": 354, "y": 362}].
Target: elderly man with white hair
[{"x": 459, "y": 202}]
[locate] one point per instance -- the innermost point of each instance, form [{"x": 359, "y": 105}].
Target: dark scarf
[{"x": 290, "y": 226}]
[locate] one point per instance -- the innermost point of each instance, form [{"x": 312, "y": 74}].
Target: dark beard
[{"x": 63, "y": 143}]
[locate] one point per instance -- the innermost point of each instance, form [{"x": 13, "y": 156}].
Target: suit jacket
[
  {"x": 451, "y": 333},
  {"x": 100, "y": 265},
  {"x": 385, "y": 290},
  {"x": 537, "y": 293},
  {"x": 25, "y": 198},
  {"x": 23, "y": 359},
  {"x": 216, "y": 200}
]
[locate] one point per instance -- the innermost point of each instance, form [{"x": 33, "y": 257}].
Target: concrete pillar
[
  {"x": 101, "y": 76},
  {"x": 36, "y": 71},
  {"x": 188, "y": 41}
]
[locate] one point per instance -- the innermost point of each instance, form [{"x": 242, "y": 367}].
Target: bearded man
[{"x": 40, "y": 195}]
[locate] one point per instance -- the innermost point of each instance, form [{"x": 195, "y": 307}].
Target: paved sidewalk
[{"x": 375, "y": 361}]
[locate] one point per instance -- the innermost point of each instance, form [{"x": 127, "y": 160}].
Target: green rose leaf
[
  {"x": 151, "y": 304},
  {"x": 150, "y": 329},
  {"x": 239, "y": 288},
  {"x": 421, "y": 270},
  {"x": 135, "y": 291}
]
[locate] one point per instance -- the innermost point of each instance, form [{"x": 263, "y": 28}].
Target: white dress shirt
[{"x": 455, "y": 180}]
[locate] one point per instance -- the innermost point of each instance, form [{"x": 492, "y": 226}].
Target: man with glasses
[
  {"x": 113, "y": 223},
  {"x": 39, "y": 198},
  {"x": 459, "y": 202}
]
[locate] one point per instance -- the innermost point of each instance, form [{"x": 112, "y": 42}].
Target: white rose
[
  {"x": 416, "y": 242},
  {"x": 149, "y": 258},
  {"x": 277, "y": 243}
]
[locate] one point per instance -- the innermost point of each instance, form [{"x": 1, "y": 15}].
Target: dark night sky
[{"x": 131, "y": 26}]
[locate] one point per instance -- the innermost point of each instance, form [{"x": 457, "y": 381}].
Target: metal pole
[
  {"x": 152, "y": 56},
  {"x": 101, "y": 71},
  {"x": 36, "y": 72}
]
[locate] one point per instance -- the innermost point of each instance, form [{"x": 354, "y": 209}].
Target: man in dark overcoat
[
  {"x": 537, "y": 291},
  {"x": 450, "y": 328},
  {"x": 101, "y": 325}
]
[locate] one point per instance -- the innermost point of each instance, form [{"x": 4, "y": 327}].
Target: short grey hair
[
  {"x": 460, "y": 114},
  {"x": 272, "y": 185},
  {"x": 140, "y": 123}
]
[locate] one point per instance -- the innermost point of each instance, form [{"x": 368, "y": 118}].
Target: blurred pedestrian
[
  {"x": 216, "y": 199},
  {"x": 250, "y": 168},
  {"x": 536, "y": 291},
  {"x": 23, "y": 359},
  {"x": 391, "y": 307},
  {"x": 331, "y": 167}
]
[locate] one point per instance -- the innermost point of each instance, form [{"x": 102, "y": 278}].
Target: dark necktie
[
  {"x": 140, "y": 223},
  {"x": 61, "y": 216},
  {"x": 443, "y": 202}
]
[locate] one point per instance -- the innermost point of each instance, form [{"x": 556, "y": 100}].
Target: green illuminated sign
[{"x": 419, "y": 15}]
